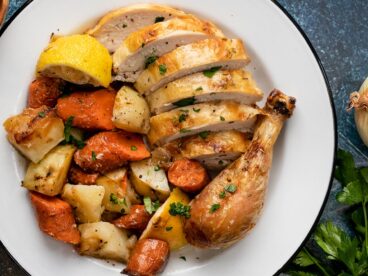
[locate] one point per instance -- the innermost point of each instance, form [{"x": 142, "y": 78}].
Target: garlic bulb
[{"x": 359, "y": 101}]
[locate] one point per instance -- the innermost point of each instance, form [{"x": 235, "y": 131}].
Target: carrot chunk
[
  {"x": 44, "y": 91},
  {"x": 55, "y": 218},
  {"x": 90, "y": 110},
  {"x": 137, "y": 219}
]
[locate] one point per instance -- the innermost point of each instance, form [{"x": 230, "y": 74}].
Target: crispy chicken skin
[{"x": 239, "y": 211}]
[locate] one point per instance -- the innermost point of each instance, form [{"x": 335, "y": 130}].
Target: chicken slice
[
  {"x": 215, "y": 150},
  {"x": 151, "y": 42},
  {"x": 195, "y": 119},
  {"x": 210, "y": 54},
  {"x": 235, "y": 85},
  {"x": 217, "y": 221},
  {"x": 116, "y": 25}
]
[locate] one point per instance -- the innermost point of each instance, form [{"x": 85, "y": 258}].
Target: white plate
[{"x": 303, "y": 156}]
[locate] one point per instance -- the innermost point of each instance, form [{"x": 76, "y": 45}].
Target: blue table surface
[{"x": 338, "y": 31}]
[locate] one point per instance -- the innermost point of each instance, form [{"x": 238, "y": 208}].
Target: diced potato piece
[
  {"x": 149, "y": 180},
  {"x": 35, "y": 132},
  {"x": 115, "y": 198},
  {"x": 166, "y": 227},
  {"x": 106, "y": 241},
  {"x": 121, "y": 176},
  {"x": 49, "y": 175},
  {"x": 87, "y": 199},
  {"x": 131, "y": 111}
]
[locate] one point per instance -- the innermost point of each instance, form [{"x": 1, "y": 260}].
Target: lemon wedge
[{"x": 79, "y": 59}]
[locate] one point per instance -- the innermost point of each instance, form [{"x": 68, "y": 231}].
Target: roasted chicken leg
[{"x": 230, "y": 205}]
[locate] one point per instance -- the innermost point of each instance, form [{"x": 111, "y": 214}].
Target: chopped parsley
[
  {"x": 211, "y": 72},
  {"x": 185, "y": 102},
  {"x": 196, "y": 109},
  {"x": 178, "y": 208},
  {"x": 159, "y": 19},
  {"x": 115, "y": 200},
  {"x": 150, "y": 206},
  {"x": 156, "y": 168},
  {"x": 204, "y": 134},
  {"x": 162, "y": 68},
  {"x": 133, "y": 148},
  {"x": 230, "y": 188},
  {"x": 182, "y": 117},
  {"x": 222, "y": 194},
  {"x": 214, "y": 207},
  {"x": 68, "y": 137},
  {"x": 149, "y": 61},
  {"x": 183, "y": 258},
  {"x": 222, "y": 118},
  {"x": 41, "y": 114},
  {"x": 168, "y": 228},
  {"x": 94, "y": 157},
  {"x": 199, "y": 88}
]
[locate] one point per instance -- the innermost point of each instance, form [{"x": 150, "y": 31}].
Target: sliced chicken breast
[
  {"x": 116, "y": 25},
  {"x": 235, "y": 85},
  {"x": 210, "y": 54},
  {"x": 214, "y": 150},
  {"x": 196, "y": 119},
  {"x": 151, "y": 42}
]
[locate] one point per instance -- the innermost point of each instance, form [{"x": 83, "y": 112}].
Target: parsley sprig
[{"x": 345, "y": 254}]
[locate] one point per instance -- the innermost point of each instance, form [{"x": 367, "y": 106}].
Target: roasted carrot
[
  {"x": 44, "y": 91},
  {"x": 90, "y": 110},
  {"x": 78, "y": 176},
  {"x": 110, "y": 150},
  {"x": 55, "y": 218},
  {"x": 149, "y": 257},
  {"x": 137, "y": 219},
  {"x": 188, "y": 175}
]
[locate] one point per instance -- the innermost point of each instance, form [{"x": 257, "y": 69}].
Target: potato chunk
[
  {"x": 149, "y": 180},
  {"x": 106, "y": 241},
  {"x": 87, "y": 199},
  {"x": 49, "y": 175},
  {"x": 115, "y": 198},
  {"x": 166, "y": 227},
  {"x": 131, "y": 111},
  {"x": 35, "y": 132}
]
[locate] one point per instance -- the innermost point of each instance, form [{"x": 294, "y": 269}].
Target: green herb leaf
[
  {"x": 168, "y": 228},
  {"x": 300, "y": 273},
  {"x": 178, "y": 208},
  {"x": 230, "y": 188},
  {"x": 115, "y": 200},
  {"x": 345, "y": 171},
  {"x": 159, "y": 19},
  {"x": 133, "y": 148},
  {"x": 222, "y": 194},
  {"x": 162, "y": 68},
  {"x": 184, "y": 130},
  {"x": 150, "y": 206},
  {"x": 204, "y": 134},
  {"x": 185, "y": 102},
  {"x": 156, "y": 168},
  {"x": 150, "y": 60},
  {"x": 303, "y": 259},
  {"x": 214, "y": 207},
  {"x": 94, "y": 156},
  {"x": 351, "y": 193},
  {"x": 41, "y": 114},
  {"x": 196, "y": 109},
  {"x": 68, "y": 128},
  {"x": 211, "y": 72},
  {"x": 182, "y": 117},
  {"x": 358, "y": 218},
  {"x": 199, "y": 88},
  {"x": 222, "y": 118}
]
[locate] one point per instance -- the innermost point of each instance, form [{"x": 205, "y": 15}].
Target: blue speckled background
[{"x": 339, "y": 32}]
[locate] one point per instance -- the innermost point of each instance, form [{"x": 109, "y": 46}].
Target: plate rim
[{"x": 332, "y": 104}]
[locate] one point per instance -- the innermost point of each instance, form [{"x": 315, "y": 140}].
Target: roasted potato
[
  {"x": 35, "y": 132},
  {"x": 121, "y": 176},
  {"x": 87, "y": 201},
  {"x": 131, "y": 111},
  {"x": 106, "y": 241},
  {"x": 49, "y": 175},
  {"x": 166, "y": 227},
  {"x": 149, "y": 180},
  {"x": 115, "y": 198}
]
